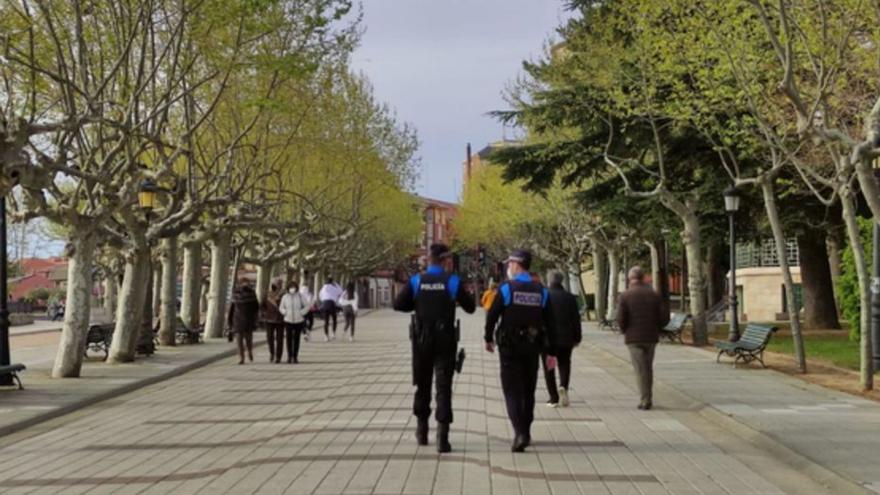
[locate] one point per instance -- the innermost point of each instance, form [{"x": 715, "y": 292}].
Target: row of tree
[
  {"x": 244, "y": 120},
  {"x": 650, "y": 109}
]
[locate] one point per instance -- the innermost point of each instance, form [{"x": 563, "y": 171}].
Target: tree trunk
[
  {"x": 221, "y": 258},
  {"x": 168, "y": 314},
  {"x": 599, "y": 269},
  {"x": 866, "y": 369},
  {"x": 656, "y": 279},
  {"x": 129, "y": 314},
  {"x": 613, "y": 284},
  {"x": 264, "y": 278},
  {"x": 714, "y": 274},
  {"x": 820, "y": 310},
  {"x": 157, "y": 287},
  {"x": 190, "y": 304},
  {"x": 788, "y": 280},
  {"x": 68, "y": 359},
  {"x": 695, "y": 277},
  {"x": 111, "y": 291}
]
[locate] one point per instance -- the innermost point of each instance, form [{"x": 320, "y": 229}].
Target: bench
[
  {"x": 98, "y": 339},
  {"x": 749, "y": 347},
  {"x": 12, "y": 370},
  {"x": 672, "y": 331},
  {"x": 186, "y": 335},
  {"x": 609, "y": 323}
]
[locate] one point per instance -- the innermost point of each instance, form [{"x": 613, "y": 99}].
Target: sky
[{"x": 443, "y": 65}]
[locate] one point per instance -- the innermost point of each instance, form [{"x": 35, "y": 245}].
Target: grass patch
[{"x": 837, "y": 349}]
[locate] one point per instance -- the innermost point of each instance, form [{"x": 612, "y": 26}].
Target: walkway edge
[
  {"x": 837, "y": 482},
  {"x": 113, "y": 393}
]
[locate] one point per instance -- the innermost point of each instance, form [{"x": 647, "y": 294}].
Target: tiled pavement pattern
[
  {"x": 340, "y": 422},
  {"x": 836, "y": 430}
]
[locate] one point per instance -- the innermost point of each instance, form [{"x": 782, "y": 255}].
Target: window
[{"x": 798, "y": 298}]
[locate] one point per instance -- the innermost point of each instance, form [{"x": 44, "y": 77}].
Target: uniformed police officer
[
  {"x": 433, "y": 295},
  {"x": 525, "y": 330}
]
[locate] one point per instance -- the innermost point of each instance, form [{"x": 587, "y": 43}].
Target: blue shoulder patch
[
  {"x": 505, "y": 293},
  {"x": 546, "y": 294},
  {"x": 415, "y": 283},
  {"x": 454, "y": 282}
]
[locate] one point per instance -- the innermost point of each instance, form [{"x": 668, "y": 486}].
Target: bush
[{"x": 848, "y": 283}]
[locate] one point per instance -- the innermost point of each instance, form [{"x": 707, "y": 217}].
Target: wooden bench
[
  {"x": 672, "y": 331},
  {"x": 186, "y": 335},
  {"x": 749, "y": 347},
  {"x": 12, "y": 370},
  {"x": 98, "y": 339}
]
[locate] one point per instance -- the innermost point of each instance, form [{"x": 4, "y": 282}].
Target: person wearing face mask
[
  {"x": 293, "y": 307},
  {"x": 520, "y": 323},
  {"x": 433, "y": 296}
]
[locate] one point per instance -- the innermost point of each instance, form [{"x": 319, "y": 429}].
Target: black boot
[
  {"x": 422, "y": 431},
  {"x": 443, "y": 438},
  {"x": 519, "y": 443}
]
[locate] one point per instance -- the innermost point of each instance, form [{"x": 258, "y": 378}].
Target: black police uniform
[
  {"x": 525, "y": 330},
  {"x": 433, "y": 295}
]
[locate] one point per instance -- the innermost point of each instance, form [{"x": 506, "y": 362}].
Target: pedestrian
[
  {"x": 309, "y": 299},
  {"x": 349, "y": 303},
  {"x": 568, "y": 333},
  {"x": 641, "y": 315},
  {"x": 242, "y": 319},
  {"x": 489, "y": 295},
  {"x": 273, "y": 321},
  {"x": 293, "y": 308},
  {"x": 522, "y": 314},
  {"x": 329, "y": 297},
  {"x": 432, "y": 295}
]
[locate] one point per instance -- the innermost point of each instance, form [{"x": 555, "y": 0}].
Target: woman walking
[
  {"x": 349, "y": 303},
  {"x": 293, "y": 308},
  {"x": 242, "y": 319},
  {"x": 273, "y": 320}
]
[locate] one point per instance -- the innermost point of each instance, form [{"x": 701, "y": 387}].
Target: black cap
[
  {"x": 440, "y": 251},
  {"x": 521, "y": 256}
]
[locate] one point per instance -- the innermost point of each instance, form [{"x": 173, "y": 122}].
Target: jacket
[
  {"x": 641, "y": 315},
  {"x": 294, "y": 308},
  {"x": 244, "y": 311},
  {"x": 350, "y": 301},
  {"x": 566, "y": 317}
]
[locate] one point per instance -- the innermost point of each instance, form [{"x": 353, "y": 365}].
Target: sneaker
[
  {"x": 563, "y": 397},
  {"x": 351, "y": 338},
  {"x": 552, "y": 404},
  {"x": 326, "y": 338},
  {"x": 306, "y": 336},
  {"x": 333, "y": 337}
]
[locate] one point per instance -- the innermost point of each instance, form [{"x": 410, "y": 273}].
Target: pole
[
  {"x": 875, "y": 298},
  {"x": 684, "y": 269},
  {"x": 5, "y": 358},
  {"x": 664, "y": 287},
  {"x": 734, "y": 307},
  {"x": 145, "y": 336}
]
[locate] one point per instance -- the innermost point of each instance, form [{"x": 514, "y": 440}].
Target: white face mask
[
  {"x": 292, "y": 290},
  {"x": 510, "y": 273}
]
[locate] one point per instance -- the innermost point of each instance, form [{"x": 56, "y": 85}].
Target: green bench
[
  {"x": 12, "y": 370},
  {"x": 672, "y": 331},
  {"x": 750, "y": 347}
]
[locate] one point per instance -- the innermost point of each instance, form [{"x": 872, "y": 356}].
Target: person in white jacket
[
  {"x": 309, "y": 299},
  {"x": 293, "y": 308},
  {"x": 349, "y": 303}
]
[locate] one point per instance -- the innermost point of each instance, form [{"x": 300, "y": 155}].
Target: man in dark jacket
[
  {"x": 567, "y": 322},
  {"x": 641, "y": 315},
  {"x": 242, "y": 319}
]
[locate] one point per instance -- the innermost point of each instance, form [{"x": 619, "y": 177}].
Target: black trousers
[
  {"x": 328, "y": 315},
  {"x": 350, "y": 319},
  {"x": 437, "y": 362},
  {"x": 519, "y": 377},
  {"x": 275, "y": 339},
  {"x": 563, "y": 362},
  {"x": 310, "y": 320},
  {"x": 293, "y": 331}
]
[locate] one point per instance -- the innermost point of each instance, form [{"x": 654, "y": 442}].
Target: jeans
[{"x": 275, "y": 339}]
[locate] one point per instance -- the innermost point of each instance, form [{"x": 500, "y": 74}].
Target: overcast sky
[{"x": 443, "y": 64}]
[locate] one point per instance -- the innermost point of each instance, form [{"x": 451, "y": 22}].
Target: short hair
[
  {"x": 636, "y": 273},
  {"x": 329, "y": 280},
  {"x": 438, "y": 252},
  {"x": 556, "y": 278}
]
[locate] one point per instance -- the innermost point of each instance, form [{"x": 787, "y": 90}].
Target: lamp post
[
  {"x": 147, "y": 195},
  {"x": 731, "y": 205},
  {"x": 664, "y": 284},
  {"x": 5, "y": 358},
  {"x": 625, "y": 238},
  {"x": 875, "y": 286}
]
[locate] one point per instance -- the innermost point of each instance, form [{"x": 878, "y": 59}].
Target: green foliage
[{"x": 848, "y": 283}]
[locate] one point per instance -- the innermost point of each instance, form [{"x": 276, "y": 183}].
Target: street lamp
[
  {"x": 6, "y": 379},
  {"x": 875, "y": 286},
  {"x": 147, "y": 200},
  {"x": 731, "y": 205}
]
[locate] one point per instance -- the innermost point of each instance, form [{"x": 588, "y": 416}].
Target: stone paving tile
[{"x": 340, "y": 423}]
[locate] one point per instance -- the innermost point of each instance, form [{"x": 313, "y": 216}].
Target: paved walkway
[{"x": 340, "y": 422}]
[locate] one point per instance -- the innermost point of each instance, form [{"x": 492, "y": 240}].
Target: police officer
[
  {"x": 525, "y": 330},
  {"x": 433, "y": 295}
]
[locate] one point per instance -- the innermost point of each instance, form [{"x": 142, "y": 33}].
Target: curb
[
  {"x": 837, "y": 482},
  {"x": 110, "y": 394}
]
